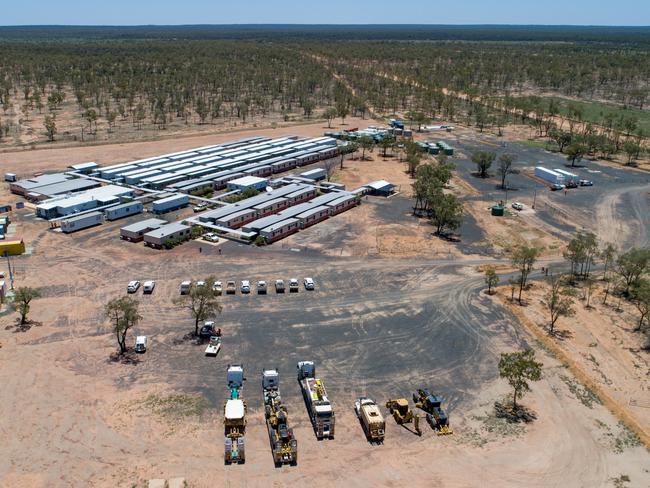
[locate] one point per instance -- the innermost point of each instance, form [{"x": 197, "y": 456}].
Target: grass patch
[
  {"x": 626, "y": 439},
  {"x": 176, "y": 406},
  {"x": 582, "y": 393}
]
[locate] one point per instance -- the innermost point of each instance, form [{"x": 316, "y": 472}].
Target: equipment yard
[{"x": 392, "y": 311}]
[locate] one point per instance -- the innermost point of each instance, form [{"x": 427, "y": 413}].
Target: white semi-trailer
[
  {"x": 550, "y": 176},
  {"x": 318, "y": 404},
  {"x": 569, "y": 178}
]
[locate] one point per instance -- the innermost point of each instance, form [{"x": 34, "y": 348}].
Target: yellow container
[{"x": 13, "y": 248}]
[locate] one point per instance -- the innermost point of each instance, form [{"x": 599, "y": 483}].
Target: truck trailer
[
  {"x": 234, "y": 417},
  {"x": 318, "y": 405},
  {"x": 371, "y": 419},
  {"x": 284, "y": 445}
]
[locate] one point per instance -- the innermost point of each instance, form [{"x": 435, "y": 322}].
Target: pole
[
  {"x": 11, "y": 273},
  {"x": 534, "y": 197}
]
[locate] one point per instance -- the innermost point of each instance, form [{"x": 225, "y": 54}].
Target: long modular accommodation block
[
  {"x": 135, "y": 232},
  {"x": 342, "y": 204},
  {"x": 124, "y": 210},
  {"x": 73, "y": 224},
  {"x": 280, "y": 230},
  {"x": 157, "y": 238},
  {"x": 271, "y": 207},
  {"x": 313, "y": 216},
  {"x": 170, "y": 204},
  {"x": 548, "y": 175},
  {"x": 301, "y": 196},
  {"x": 237, "y": 219}
]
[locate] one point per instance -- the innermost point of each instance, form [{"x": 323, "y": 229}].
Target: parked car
[
  {"x": 211, "y": 237},
  {"x": 279, "y": 286},
  {"x": 141, "y": 344},
  {"x": 200, "y": 284},
  {"x": 217, "y": 288},
  {"x": 518, "y": 206},
  {"x": 261, "y": 287},
  {"x": 133, "y": 286},
  {"x": 207, "y": 330},
  {"x": 200, "y": 207},
  {"x": 245, "y": 286},
  {"x": 309, "y": 284},
  {"x": 571, "y": 184},
  {"x": 148, "y": 287},
  {"x": 185, "y": 287},
  {"x": 557, "y": 186},
  {"x": 231, "y": 288},
  {"x": 586, "y": 183},
  {"x": 293, "y": 285}
]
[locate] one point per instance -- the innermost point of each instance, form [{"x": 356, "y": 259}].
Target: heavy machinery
[
  {"x": 316, "y": 401},
  {"x": 371, "y": 419},
  {"x": 436, "y": 416},
  {"x": 235, "y": 417},
  {"x": 402, "y": 413},
  {"x": 284, "y": 445}
]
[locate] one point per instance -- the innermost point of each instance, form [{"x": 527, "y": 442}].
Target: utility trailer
[
  {"x": 235, "y": 417},
  {"x": 371, "y": 419},
  {"x": 318, "y": 405},
  {"x": 284, "y": 445}
]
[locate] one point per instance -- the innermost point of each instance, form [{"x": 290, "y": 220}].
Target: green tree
[
  {"x": 50, "y": 126},
  {"x": 367, "y": 143},
  {"x": 575, "y": 152},
  {"x": 640, "y": 296},
  {"x": 631, "y": 265},
  {"x": 483, "y": 161},
  {"x": 524, "y": 258},
  {"x": 632, "y": 149},
  {"x": 22, "y": 299},
  {"x": 518, "y": 368},
  {"x": 387, "y": 142},
  {"x": 202, "y": 110},
  {"x": 201, "y": 301},
  {"x": 491, "y": 278},
  {"x": 342, "y": 110},
  {"x": 330, "y": 115},
  {"x": 446, "y": 213},
  {"x": 505, "y": 168},
  {"x": 558, "y": 300},
  {"x": 123, "y": 313}
]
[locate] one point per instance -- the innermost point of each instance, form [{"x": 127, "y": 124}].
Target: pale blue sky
[{"x": 138, "y": 12}]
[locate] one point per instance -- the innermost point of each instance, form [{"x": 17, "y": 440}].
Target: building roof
[
  {"x": 341, "y": 199},
  {"x": 239, "y": 213},
  {"x": 248, "y": 181},
  {"x": 100, "y": 194},
  {"x": 172, "y": 198},
  {"x": 83, "y": 166},
  {"x": 270, "y": 203},
  {"x": 380, "y": 185},
  {"x": 37, "y": 181},
  {"x": 144, "y": 225},
  {"x": 67, "y": 186},
  {"x": 83, "y": 216},
  {"x": 312, "y": 211},
  {"x": 166, "y": 230},
  {"x": 280, "y": 224}
]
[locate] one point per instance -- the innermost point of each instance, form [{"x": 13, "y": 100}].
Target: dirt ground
[
  {"x": 602, "y": 341},
  {"x": 394, "y": 310}
]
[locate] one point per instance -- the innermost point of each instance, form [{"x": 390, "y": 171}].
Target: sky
[{"x": 168, "y": 12}]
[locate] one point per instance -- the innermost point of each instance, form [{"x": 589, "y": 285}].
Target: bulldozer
[
  {"x": 402, "y": 413},
  {"x": 436, "y": 416}
]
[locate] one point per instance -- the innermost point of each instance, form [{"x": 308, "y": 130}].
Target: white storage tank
[
  {"x": 79, "y": 222},
  {"x": 549, "y": 175}
]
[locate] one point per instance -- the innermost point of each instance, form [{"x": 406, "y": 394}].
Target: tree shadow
[
  {"x": 562, "y": 334},
  {"x": 130, "y": 357},
  {"x": 18, "y": 327},
  {"x": 514, "y": 415}
]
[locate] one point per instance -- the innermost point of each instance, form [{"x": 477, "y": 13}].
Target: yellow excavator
[{"x": 402, "y": 413}]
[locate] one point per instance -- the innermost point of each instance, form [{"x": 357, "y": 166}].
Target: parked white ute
[
  {"x": 245, "y": 286},
  {"x": 518, "y": 206},
  {"x": 217, "y": 288},
  {"x": 214, "y": 346},
  {"x": 148, "y": 286},
  {"x": 261, "y": 287},
  {"x": 309, "y": 284},
  {"x": 141, "y": 344},
  {"x": 133, "y": 286}
]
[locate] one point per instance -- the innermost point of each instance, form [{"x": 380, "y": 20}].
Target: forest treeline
[{"x": 117, "y": 80}]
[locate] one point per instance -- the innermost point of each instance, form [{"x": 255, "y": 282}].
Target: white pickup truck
[{"x": 214, "y": 346}]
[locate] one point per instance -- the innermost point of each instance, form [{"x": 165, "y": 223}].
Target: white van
[
  {"x": 141, "y": 344},
  {"x": 148, "y": 286}
]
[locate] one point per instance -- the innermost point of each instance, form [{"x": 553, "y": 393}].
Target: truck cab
[{"x": 141, "y": 344}]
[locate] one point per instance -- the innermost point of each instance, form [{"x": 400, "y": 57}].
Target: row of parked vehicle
[
  {"x": 147, "y": 287},
  {"x": 245, "y": 286}
]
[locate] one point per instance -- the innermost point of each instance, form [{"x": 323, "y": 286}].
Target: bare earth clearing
[{"x": 394, "y": 310}]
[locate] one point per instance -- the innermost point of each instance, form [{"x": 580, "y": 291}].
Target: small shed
[{"x": 381, "y": 188}]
